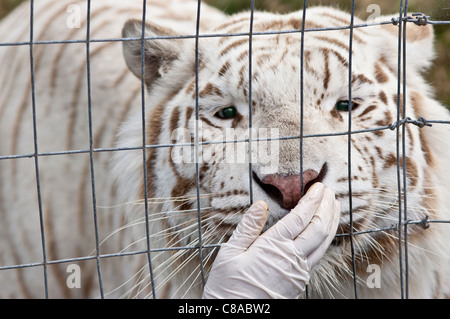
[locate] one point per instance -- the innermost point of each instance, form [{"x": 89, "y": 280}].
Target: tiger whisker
[
  {"x": 180, "y": 254},
  {"x": 206, "y": 258}
]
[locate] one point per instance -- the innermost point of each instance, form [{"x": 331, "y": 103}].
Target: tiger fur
[{"x": 224, "y": 185}]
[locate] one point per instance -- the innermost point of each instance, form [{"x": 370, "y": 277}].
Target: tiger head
[{"x": 266, "y": 130}]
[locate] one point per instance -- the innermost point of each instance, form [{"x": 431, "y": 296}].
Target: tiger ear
[
  {"x": 159, "y": 54},
  {"x": 419, "y": 44}
]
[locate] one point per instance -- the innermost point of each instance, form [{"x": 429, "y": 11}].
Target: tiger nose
[{"x": 289, "y": 187}]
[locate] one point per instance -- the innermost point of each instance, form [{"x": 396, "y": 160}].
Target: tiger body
[
  {"x": 60, "y": 73},
  {"x": 176, "y": 98}
]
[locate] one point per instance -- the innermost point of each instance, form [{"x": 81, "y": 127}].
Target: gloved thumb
[{"x": 250, "y": 227}]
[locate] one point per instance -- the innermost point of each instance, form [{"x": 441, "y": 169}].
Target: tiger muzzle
[{"x": 287, "y": 190}]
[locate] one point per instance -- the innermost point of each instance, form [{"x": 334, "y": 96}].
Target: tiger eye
[
  {"x": 343, "y": 106},
  {"x": 227, "y": 113}
]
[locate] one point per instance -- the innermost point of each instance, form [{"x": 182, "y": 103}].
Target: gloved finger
[
  {"x": 291, "y": 225},
  {"x": 316, "y": 255},
  {"x": 250, "y": 227},
  {"x": 319, "y": 228}
]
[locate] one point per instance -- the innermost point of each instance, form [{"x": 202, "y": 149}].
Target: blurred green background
[{"x": 439, "y": 10}]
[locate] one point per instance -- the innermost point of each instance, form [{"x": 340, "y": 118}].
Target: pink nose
[{"x": 290, "y": 187}]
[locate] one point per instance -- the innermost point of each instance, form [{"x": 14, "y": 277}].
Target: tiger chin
[{"x": 201, "y": 93}]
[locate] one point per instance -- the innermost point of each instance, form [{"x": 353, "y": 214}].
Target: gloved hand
[{"x": 277, "y": 263}]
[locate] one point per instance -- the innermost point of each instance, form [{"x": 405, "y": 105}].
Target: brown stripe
[
  {"x": 190, "y": 88},
  {"x": 189, "y": 112},
  {"x": 361, "y": 78},
  {"x": 82, "y": 202},
  {"x": 307, "y": 60},
  {"x": 375, "y": 180},
  {"x": 38, "y": 53},
  {"x": 430, "y": 197},
  {"x": 368, "y": 110},
  {"x": 81, "y": 74},
  {"x": 264, "y": 58},
  {"x": 56, "y": 68},
  {"x": 296, "y": 24},
  {"x": 210, "y": 89},
  {"x": 9, "y": 82},
  {"x": 335, "y": 53},
  {"x": 17, "y": 124},
  {"x": 233, "y": 23},
  {"x": 154, "y": 126},
  {"x": 383, "y": 97},
  {"x": 326, "y": 80},
  {"x": 384, "y": 60},
  {"x": 336, "y": 114},
  {"x": 16, "y": 260},
  {"x": 334, "y": 41},
  {"x": 234, "y": 192},
  {"x": 73, "y": 108},
  {"x": 89, "y": 278},
  {"x": 98, "y": 136},
  {"x": 241, "y": 77},
  {"x": 22, "y": 282},
  {"x": 396, "y": 102},
  {"x": 242, "y": 56},
  {"x": 237, "y": 28},
  {"x": 121, "y": 78},
  {"x": 182, "y": 187},
  {"x": 342, "y": 21},
  {"x": 208, "y": 122},
  {"x": 233, "y": 45},
  {"x": 380, "y": 75},
  {"x": 269, "y": 25},
  {"x": 51, "y": 247},
  {"x": 417, "y": 104},
  {"x": 127, "y": 107},
  {"x": 225, "y": 67},
  {"x": 174, "y": 117},
  {"x": 239, "y": 118}
]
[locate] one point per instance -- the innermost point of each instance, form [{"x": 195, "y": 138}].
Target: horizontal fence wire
[
  {"x": 399, "y": 126},
  {"x": 211, "y": 35},
  {"x": 392, "y": 126}
]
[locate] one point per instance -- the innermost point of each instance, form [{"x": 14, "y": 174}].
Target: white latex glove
[{"x": 277, "y": 263}]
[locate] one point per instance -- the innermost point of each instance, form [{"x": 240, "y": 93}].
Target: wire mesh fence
[{"x": 400, "y": 124}]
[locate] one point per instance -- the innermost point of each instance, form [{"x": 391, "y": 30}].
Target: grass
[
  {"x": 7, "y": 5},
  {"x": 439, "y": 75}
]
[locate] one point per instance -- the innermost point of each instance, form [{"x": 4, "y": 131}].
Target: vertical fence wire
[
  {"x": 144, "y": 150},
  {"x": 36, "y": 150},
  {"x": 399, "y": 112},
  {"x": 405, "y": 185},
  {"x": 197, "y": 122},
  {"x": 302, "y": 79},
  {"x": 91, "y": 147},
  {"x": 349, "y": 151},
  {"x": 250, "y": 106}
]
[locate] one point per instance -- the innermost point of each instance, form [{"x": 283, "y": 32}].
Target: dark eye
[
  {"x": 344, "y": 106},
  {"x": 227, "y": 113}
]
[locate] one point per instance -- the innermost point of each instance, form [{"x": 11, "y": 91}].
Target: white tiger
[{"x": 221, "y": 95}]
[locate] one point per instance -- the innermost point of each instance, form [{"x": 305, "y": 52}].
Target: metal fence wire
[{"x": 403, "y": 18}]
